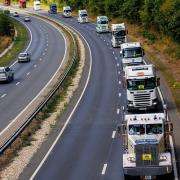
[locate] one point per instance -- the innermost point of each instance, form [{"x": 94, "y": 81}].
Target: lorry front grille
[
  {"x": 142, "y": 100},
  {"x": 146, "y": 154}
]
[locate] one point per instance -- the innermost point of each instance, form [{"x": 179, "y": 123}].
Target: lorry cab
[
  {"x": 102, "y": 24},
  {"x": 141, "y": 86},
  {"x": 119, "y": 33},
  {"x": 146, "y": 145},
  {"x": 67, "y": 11},
  {"x": 82, "y": 16},
  {"x": 132, "y": 54},
  {"x": 52, "y": 8},
  {"x": 37, "y": 5}
]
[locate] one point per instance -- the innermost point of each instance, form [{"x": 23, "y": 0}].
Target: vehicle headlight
[
  {"x": 162, "y": 158},
  {"x": 131, "y": 159}
]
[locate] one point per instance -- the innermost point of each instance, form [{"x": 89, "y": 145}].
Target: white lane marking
[
  {"x": 118, "y": 111},
  {"x": 69, "y": 118},
  {"x": 104, "y": 169},
  {"x": 3, "y": 95},
  {"x": 117, "y": 64},
  {"x": 113, "y": 52},
  {"x": 43, "y": 53},
  {"x": 104, "y": 40},
  {"x": 113, "y": 134},
  {"x": 35, "y": 65},
  {"x": 28, "y": 73},
  {"x": 119, "y": 72},
  {"x": 119, "y": 94},
  {"x": 46, "y": 49},
  {"x": 47, "y": 44},
  {"x": 119, "y": 82},
  {"x": 116, "y": 58},
  {"x": 107, "y": 44},
  {"x": 17, "y": 83},
  {"x": 28, "y": 44},
  {"x": 40, "y": 59}
]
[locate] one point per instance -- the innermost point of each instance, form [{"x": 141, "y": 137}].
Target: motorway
[
  {"x": 47, "y": 49},
  {"x": 89, "y": 148}
]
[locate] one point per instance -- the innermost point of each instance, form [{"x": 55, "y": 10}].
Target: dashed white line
[
  {"x": 118, "y": 111},
  {"x": 113, "y": 134},
  {"x": 17, "y": 83},
  {"x": 3, "y": 95},
  {"x": 119, "y": 82},
  {"x": 28, "y": 73},
  {"x": 116, "y": 58},
  {"x": 35, "y": 65},
  {"x": 113, "y": 52},
  {"x": 107, "y": 44},
  {"x": 104, "y": 40},
  {"x": 119, "y": 72},
  {"x": 40, "y": 59},
  {"x": 44, "y": 54},
  {"x": 119, "y": 94},
  {"x": 117, "y": 64},
  {"x": 46, "y": 49},
  {"x": 104, "y": 169}
]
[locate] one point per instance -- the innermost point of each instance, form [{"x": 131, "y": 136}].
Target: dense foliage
[
  {"x": 6, "y": 26},
  {"x": 162, "y": 15}
]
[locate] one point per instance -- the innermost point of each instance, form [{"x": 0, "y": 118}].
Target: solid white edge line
[
  {"x": 104, "y": 169},
  {"x": 28, "y": 44},
  {"x": 69, "y": 118},
  {"x": 41, "y": 89},
  {"x": 17, "y": 83},
  {"x": 3, "y": 95},
  {"x": 113, "y": 134}
]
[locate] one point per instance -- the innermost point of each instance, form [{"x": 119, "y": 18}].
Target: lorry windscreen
[
  {"x": 119, "y": 33},
  {"x": 141, "y": 84},
  {"x": 67, "y": 11},
  {"x": 83, "y": 15},
  {"x": 153, "y": 129},
  {"x": 103, "y": 22},
  {"x": 132, "y": 53},
  {"x": 137, "y": 129}
]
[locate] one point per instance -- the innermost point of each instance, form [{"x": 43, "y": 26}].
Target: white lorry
[
  {"x": 37, "y": 5},
  {"x": 119, "y": 33},
  {"x": 67, "y": 11},
  {"x": 141, "y": 85},
  {"x": 82, "y": 16},
  {"x": 146, "y": 147},
  {"x": 132, "y": 54},
  {"x": 102, "y": 24}
]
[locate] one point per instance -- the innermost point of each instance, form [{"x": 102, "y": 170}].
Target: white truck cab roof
[
  {"x": 66, "y": 8},
  {"x": 84, "y": 11},
  {"x": 141, "y": 71},
  {"x": 117, "y": 27},
  {"x": 99, "y": 18},
  {"x": 130, "y": 45}
]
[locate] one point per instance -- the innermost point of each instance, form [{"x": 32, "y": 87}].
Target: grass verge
[{"x": 19, "y": 44}]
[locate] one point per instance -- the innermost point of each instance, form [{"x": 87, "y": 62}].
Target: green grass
[{"x": 19, "y": 44}]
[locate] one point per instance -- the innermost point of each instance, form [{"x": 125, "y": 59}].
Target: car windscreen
[
  {"x": 141, "y": 84},
  {"x": 22, "y": 55}
]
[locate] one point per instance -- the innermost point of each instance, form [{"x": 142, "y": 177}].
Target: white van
[{"x": 37, "y": 5}]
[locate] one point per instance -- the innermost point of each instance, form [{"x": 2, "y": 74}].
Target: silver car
[
  {"x": 6, "y": 74},
  {"x": 24, "y": 57},
  {"x": 27, "y": 19}
]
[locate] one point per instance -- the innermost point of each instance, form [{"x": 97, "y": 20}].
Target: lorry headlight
[
  {"x": 131, "y": 159},
  {"x": 163, "y": 158},
  {"x": 154, "y": 102},
  {"x": 130, "y": 103}
]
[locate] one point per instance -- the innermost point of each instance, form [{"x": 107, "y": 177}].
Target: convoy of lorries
[{"x": 145, "y": 128}]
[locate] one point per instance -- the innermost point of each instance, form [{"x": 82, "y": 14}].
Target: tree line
[
  {"x": 6, "y": 25},
  {"x": 161, "y": 15}
]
